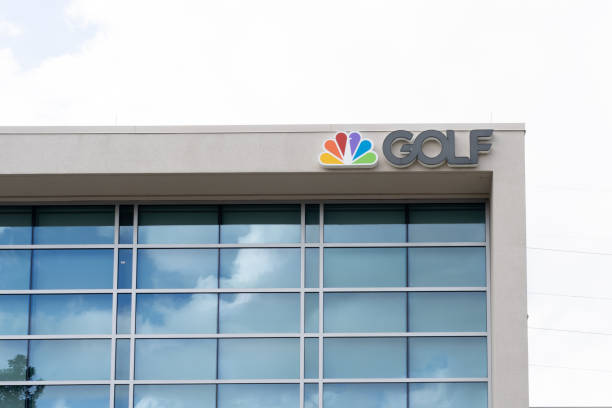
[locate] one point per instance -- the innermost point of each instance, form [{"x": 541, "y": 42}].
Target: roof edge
[{"x": 303, "y": 128}]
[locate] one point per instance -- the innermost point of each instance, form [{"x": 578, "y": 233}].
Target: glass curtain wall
[{"x": 261, "y": 305}]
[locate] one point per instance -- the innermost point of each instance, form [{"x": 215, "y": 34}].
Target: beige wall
[{"x": 281, "y": 163}]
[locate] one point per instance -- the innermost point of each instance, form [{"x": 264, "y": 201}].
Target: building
[{"x": 263, "y": 266}]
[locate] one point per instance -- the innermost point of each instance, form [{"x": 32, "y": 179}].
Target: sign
[
  {"x": 348, "y": 151},
  {"x": 412, "y": 148}
]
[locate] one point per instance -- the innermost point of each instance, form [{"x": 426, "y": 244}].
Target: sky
[{"x": 546, "y": 63}]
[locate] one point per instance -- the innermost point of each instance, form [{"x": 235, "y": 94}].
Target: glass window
[
  {"x": 384, "y": 395},
  {"x": 259, "y": 396},
  {"x": 359, "y": 267},
  {"x": 312, "y": 223},
  {"x": 74, "y": 225},
  {"x": 447, "y": 223},
  {"x": 173, "y": 224},
  {"x": 175, "y": 396},
  {"x": 15, "y": 269},
  {"x": 14, "y": 396},
  {"x": 260, "y": 268},
  {"x": 311, "y": 395},
  {"x": 124, "y": 269},
  {"x": 122, "y": 396},
  {"x": 456, "y": 395},
  {"x": 311, "y": 357},
  {"x": 448, "y": 357},
  {"x": 277, "y": 358},
  {"x": 311, "y": 313},
  {"x": 447, "y": 266},
  {"x": 362, "y": 357},
  {"x": 447, "y": 311},
  {"x": 365, "y": 312},
  {"x": 71, "y": 314},
  {"x": 73, "y": 396},
  {"x": 365, "y": 223},
  {"x": 260, "y": 224},
  {"x": 72, "y": 269},
  {"x": 259, "y": 313},
  {"x": 126, "y": 224},
  {"x": 14, "y": 314},
  {"x": 15, "y": 225},
  {"x": 172, "y": 313},
  {"x": 177, "y": 268},
  {"x": 122, "y": 359},
  {"x": 70, "y": 359},
  {"x": 13, "y": 360},
  {"x": 175, "y": 359},
  {"x": 124, "y": 313},
  {"x": 311, "y": 268}
]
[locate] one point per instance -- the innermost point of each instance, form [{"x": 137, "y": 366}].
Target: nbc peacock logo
[{"x": 345, "y": 152}]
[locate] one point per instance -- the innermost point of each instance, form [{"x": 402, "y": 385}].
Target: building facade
[{"x": 276, "y": 266}]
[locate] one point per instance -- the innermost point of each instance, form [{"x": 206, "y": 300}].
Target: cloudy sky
[{"x": 543, "y": 62}]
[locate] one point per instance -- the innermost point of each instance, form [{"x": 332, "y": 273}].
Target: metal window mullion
[
  {"x": 302, "y": 298},
  {"x": 320, "y": 338},
  {"x": 133, "y": 309},
  {"x": 114, "y": 309},
  {"x": 488, "y": 299}
]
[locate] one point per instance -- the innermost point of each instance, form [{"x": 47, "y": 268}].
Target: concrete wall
[{"x": 280, "y": 163}]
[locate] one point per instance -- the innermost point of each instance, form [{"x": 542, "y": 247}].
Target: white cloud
[{"x": 9, "y": 29}]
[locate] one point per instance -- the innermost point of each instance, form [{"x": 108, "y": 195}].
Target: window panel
[
  {"x": 72, "y": 269},
  {"x": 175, "y": 359},
  {"x": 448, "y": 357},
  {"x": 364, "y": 312},
  {"x": 259, "y": 313},
  {"x": 70, "y": 359},
  {"x": 73, "y": 396},
  {"x": 122, "y": 359},
  {"x": 312, "y": 223},
  {"x": 382, "y": 395},
  {"x": 126, "y": 224},
  {"x": 447, "y": 266},
  {"x": 14, "y": 396},
  {"x": 260, "y": 224},
  {"x": 174, "y": 313},
  {"x": 124, "y": 269},
  {"x": 173, "y": 224},
  {"x": 175, "y": 396},
  {"x": 365, "y": 223},
  {"x": 311, "y": 267},
  {"x": 177, "y": 268},
  {"x": 14, "y": 314},
  {"x": 71, "y": 314},
  {"x": 277, "y": 358},
  {"x": 260, "y": 268},
  {"x": 362, "y": 267},
  {"x": 311, "y": 357},
  {"x": 311, "y": 395},
  {"x": 122, "y": 396},
  {"x": 259, "y": 396},
  {"x": 15, "y": 225},
  {"x": 455, "y": 395},
  {"x": 362, "y": 357},
  {"x": 15, "y": 269},
  {"x": 74, "y": 225},
  {"x": 447, "y": 223},
  {"x": 124, "y": 313},
  {"x": 13, "y": 360},
  {"x": 311, "y": 313},
  {"x": 447, "y": 311}
]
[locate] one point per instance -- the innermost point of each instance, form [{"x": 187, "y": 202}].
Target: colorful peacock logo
[{"x": 351, "y": 151}]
